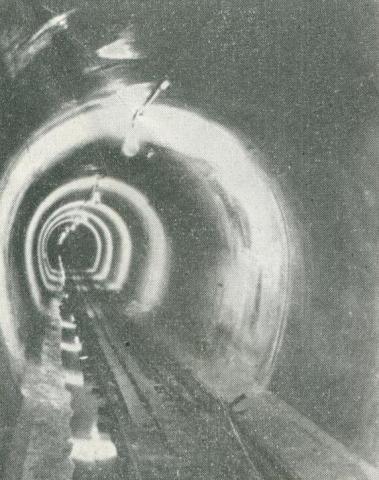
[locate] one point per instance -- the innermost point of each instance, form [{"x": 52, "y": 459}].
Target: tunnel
[{"x": 189, "y": 227}]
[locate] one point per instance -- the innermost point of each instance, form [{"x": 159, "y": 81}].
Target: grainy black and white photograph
[{"x": 189, "y": 248}]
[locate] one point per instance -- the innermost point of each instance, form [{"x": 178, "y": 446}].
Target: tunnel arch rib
[{"x": 100, "y": 213}]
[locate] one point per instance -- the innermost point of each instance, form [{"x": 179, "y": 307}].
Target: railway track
[
  {"x": 161, "y": 427},
  {"x": 165, "y": 425}
]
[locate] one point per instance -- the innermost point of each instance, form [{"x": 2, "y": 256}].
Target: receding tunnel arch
[
  {"x": 64, "y": 226},
  {"x": 76, "y": 248},
  {"x": 54, "y": 272},
  {"x": 155, "y": 268},
  {"x": 102, "y": 215},
  {"x": 250, "y": 285},
  {"x": 115, "y": 267}
]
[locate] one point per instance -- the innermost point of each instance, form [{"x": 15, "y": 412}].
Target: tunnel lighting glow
[{"x": 98, "y": 448}]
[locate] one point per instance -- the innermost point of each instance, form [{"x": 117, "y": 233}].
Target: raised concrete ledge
[{"x": 286, "y": 445}]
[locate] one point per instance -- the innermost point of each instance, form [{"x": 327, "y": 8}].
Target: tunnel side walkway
[
  {"x": 40, "y": 447},
  {"x": 278, "y": 440}
]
